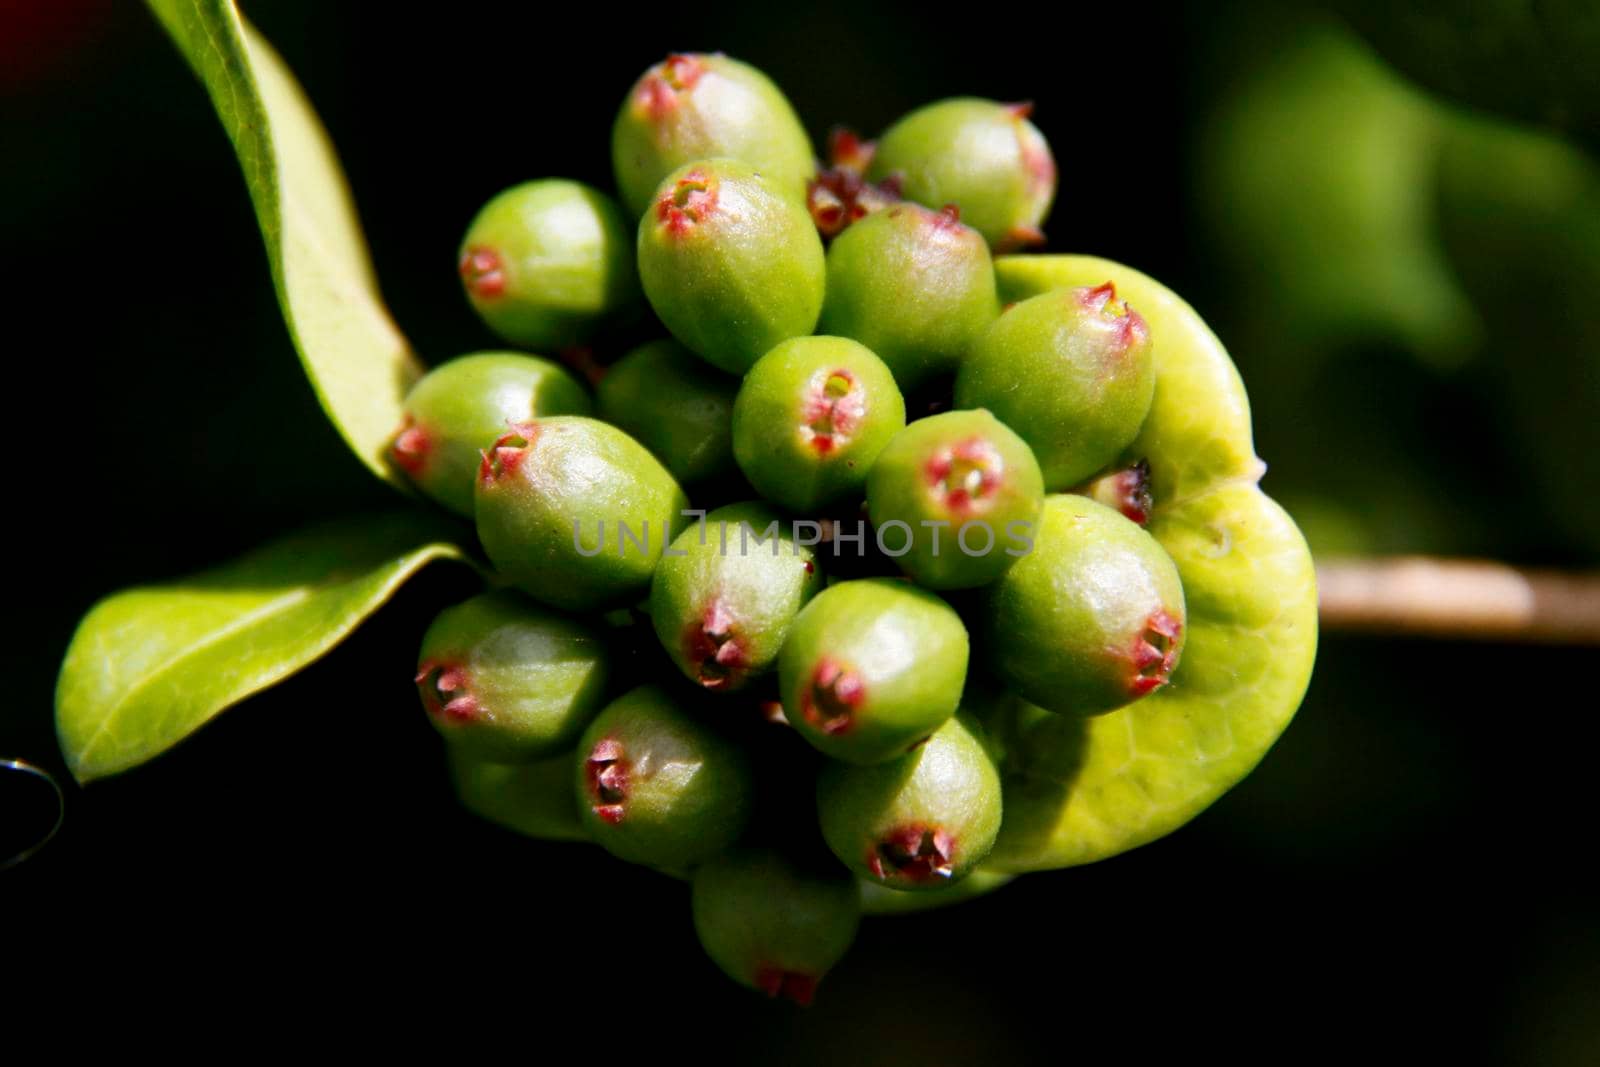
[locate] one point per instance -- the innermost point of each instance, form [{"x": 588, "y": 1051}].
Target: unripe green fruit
[
  {"x": 574, "y": 512},
  {"x": 915, "y": 286},
  {"x": 693, "y": 107},
  {"x": 545, "y": 263},
  {"x": 923, "y": 821},
  {"x": 1091, "y": 619},
  {"x": 871, "y": 668},
  {"x": 810, "y": 420},
  {"x": 457, "y": 409},
  {"x": 984, "y": 157},
  {"x": 676, "y": 406},
  {"x": 964, "y": 492},
  {"x": 1071, "y": 372},
  {"x": 507, "y": 680},
  {"x": 534, "y": 799},
  {"x": 722, "y": 601},
  {"x": 730, "y": 265},
  {"x": 657, "y": 786},
  {"x": 772, "y": 926}
]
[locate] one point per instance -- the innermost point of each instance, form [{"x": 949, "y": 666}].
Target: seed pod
[
  {"x": 723, "y": 607},
  {"x": 507, "y": 680},
  {"x": 772, "y": 926},
  {"x": 920, "y": 822},
  {"x": 574, "y": 512},
  {"x": 871, "y": 668},
  {"x": 984, "y": 157},
  {"x": 656, "y": 786},
  {"x": 695, "y": 106},
  {"x": 457, "y": 409},
  {"x": 676, "y": 406},
  {"x": 533, "y": 799},
  {"x": 730, "y": 265},
  {"x": 963, "y": 492},
  {"x": 1071, "y": 372},
  {"x": 810, "y": 420},
  {"x": 546, "y": 263},
  {"x": 915, "y": 286},
  {"x": 1091, "y": 619}
]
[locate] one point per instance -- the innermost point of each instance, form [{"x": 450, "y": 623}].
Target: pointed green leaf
[
  {"x": 149, "y": 666},
  {"x": 358, "y": 362}
]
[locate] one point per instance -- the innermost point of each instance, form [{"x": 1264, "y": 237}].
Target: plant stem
[{"x": 1474, "y": 599}]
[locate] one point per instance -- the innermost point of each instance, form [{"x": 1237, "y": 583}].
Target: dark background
[{"x": 1410, "y": 867}]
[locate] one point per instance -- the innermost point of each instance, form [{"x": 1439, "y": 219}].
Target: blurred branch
[{"x": 1459, "y": 598}]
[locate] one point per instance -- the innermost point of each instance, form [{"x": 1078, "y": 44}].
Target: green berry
[
  {"x": 574, "y": 512},
  {"x": 731, "y": 266},
  {"x": 534, "y": 799},
  {"x": 963, "y": 493},
  {"x": 810, "y": 420},
  {"x": 772, "y": 926},
  {"x": 507, "y": 680},
  {"x": 676, "y": 406},
  {"x": 1091, "y": 619},
  {"x": 457, "y": 409},
  {"x": 693, "y": 107},
  {"x": 923, "y": 821},
  {"x": 915, "y": 286},
  {"x": 545, "y": 263},
  {"x": 657, "y": 786},
  {"x": 871, "y": 668},
  {"x": 1070, "y": 371},
  {"x": 984, "y": 157},
  {"x": 724, "y": 596}
]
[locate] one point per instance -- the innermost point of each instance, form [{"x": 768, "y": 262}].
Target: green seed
[{"x": 676, "y": 406}]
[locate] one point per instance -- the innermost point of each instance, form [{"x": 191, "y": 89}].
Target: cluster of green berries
[{"x": 912, "y": 502}]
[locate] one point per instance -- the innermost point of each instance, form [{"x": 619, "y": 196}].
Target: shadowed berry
[
  {"x": 731, "y": 266},
  {"x": 723, "y": 607},
  {"x": 534, "y": 799},
  {"x": 871, "y": 668},
  {"x": 457, "y": 409},
  {"x": 1069, "y": 370},
  {"x": 920, "y": 822},
  {"x": 508, "y": 680},
  {"x": 810, "y": 420},
  {"x": 964, "y": 492},
  {"x": 657, "y": 786},
  {"x": 772, "y": 926},
  {"x": 574, "y": 512},
  {"x": 546, "y": 263},
  {"x": 676, "y": 406},
  {"x": 984, "y": 157},
  {"x": 1091, "y": 619}
]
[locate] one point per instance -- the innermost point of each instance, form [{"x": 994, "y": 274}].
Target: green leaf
[
  {"x": 358, "y": 362},
  {"x": 149, "y": 666},
  {"x": 1081, "y": 790}
]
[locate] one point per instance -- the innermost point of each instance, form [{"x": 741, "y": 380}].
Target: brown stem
[{"x": 1476, "y": 599}]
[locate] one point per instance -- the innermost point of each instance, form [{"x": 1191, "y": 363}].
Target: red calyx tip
[
  {"x": 1021, "y": 109},
  {"x": 691, "y": 200},
  {"x": 1155, "y": 652},
  {"x": 914, "y": 853},
  {"x": 659, "y": 89},
  {"x": 483, "y": 273},
  {"x": 1020, "y": 237},
  {"x": 839, "y": 196},
  {"x": 411, "y": 448},
  {"x": 445, "y": 692},
  {"x": 829, "y": 703},
  {"x": 791, "y": 985},
  {"x": 712, "y": 645},
  {"x": 847, "y": 151},
  {"x": 833, "y": 407},
  {"x": 606, "y": 771},
  {"x": 965, "y": 475},
  {"x": 507, "y": 452}
]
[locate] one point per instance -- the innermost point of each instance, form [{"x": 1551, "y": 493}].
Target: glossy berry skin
[
  {"x": 914, "y": 285},
  {"x": 457, "y": 409},
  {"x": 982, "y": 156},
  {"x": 729, "y": 264},
  {"x": 871, "y": 668},
  {"x": 676, "y": 406},
  {"x": 696, "y": 106},
  {"x": 507, "y": 680},
  {"x": 921, "y": 822},
  {"x": 1071, "y": 372},
  {"x": 966, "y": 491},
  {"x": 656, "y": 786},
  {"x": 772, "y": 926},
  {"x": 533, "y": 799},
  {"x": 810, "y": 420},
  {"x": 546, "y": 263},
  {"x": 553, "y": 499},
  {"x": 724, "y": 606},
  {"x": 1090, "y": 620}
]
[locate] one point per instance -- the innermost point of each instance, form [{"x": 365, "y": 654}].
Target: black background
[{"x": 1410, "y": 866}]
